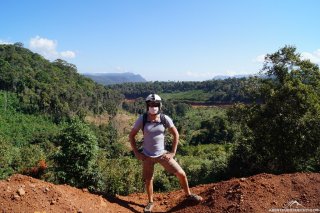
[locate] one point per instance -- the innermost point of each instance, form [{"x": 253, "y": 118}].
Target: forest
[
  {"x": 62, "y": 127},
  {"x": 226, "y": 91}
]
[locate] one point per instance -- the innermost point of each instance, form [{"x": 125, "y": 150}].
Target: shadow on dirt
[
  {"x": 123, "y": 203},
  {"x": 126, "y": 204},
  {"x": 182, "y": 205}
]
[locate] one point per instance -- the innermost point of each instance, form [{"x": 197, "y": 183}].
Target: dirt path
[{"x": 260, "y": 193}]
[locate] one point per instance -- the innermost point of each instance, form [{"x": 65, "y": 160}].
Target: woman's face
[{"x": 153, "y": 108}]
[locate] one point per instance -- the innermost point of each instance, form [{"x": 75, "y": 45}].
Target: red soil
[{"x": 259, "y": 193}]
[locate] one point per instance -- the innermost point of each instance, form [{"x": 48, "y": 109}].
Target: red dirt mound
[{"x": 259, "y": 193}]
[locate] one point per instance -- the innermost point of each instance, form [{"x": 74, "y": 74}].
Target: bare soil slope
[{"x": 259, "y": 193}]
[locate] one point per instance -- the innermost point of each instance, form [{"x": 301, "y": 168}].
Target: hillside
[
  {"x": 259, "y": 193},
  {"x": 54, "y": 88},
  {"x": 115, "y": 78}
]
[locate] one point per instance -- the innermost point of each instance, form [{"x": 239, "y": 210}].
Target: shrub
[
  {"x": 9, "y": 158},
  {"x": 77, "y": 156},
  {"x": 121, "y": 176},
  {"x": 205, "y": 163}
]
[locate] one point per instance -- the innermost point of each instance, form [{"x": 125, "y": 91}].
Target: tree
[
  {"x": 77, "y": 156},
  {"x": 18, "y": 44},
  {"x": 216, "y": 130},
  {"x": 281, "y": 63},
  {"x": 182, "y": 109},
  {"x": 283, "y": 134}
]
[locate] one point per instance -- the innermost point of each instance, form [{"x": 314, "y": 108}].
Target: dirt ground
[{"x": 298, "y": 192}]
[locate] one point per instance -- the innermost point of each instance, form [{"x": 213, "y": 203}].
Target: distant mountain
[
  {"x": 115, "y": 78},
  {"x": 223, "y": 77}
]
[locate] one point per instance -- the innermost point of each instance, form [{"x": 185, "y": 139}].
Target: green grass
[
  {"x": 196, "y": 115},
  {"x": 198, "y": 96}
]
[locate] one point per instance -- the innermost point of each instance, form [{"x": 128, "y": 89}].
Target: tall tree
[{"x": 283, "y": 134}]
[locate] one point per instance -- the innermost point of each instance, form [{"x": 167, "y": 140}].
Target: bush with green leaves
[
  {"x": 9, "y": 158},
  {"x": 8, "y": 101},
  {"x": 120, "y": 176},
  {"x": 76, "y": 159},
  {"x": 108, "y": 140},
  {"x": 30, "y": 156},
  {"x": 164, "y": 181},
  {"x": 205, "y": 163}
]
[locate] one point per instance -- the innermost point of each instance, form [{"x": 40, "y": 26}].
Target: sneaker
[
  {"x": 148, "y": 207},
  {"x": 194, "y": 198}
]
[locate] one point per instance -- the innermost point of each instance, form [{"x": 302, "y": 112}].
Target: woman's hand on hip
[
  {"x": 168, "y": 156},
  {"x": 140, "y": 156}
]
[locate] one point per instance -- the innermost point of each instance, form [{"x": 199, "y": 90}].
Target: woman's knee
[
  {"x": 181, "y": 174},
  {"x": 148, "y": 180}
]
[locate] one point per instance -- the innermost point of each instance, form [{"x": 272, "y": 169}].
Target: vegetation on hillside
[
  {"x": 281, "y": 135},
  {"x": 228, "y": 91},
  {"x": 25, "y": 140},
  {"x": 53, "y": 88},
  {"x": 43, "y": 132}
]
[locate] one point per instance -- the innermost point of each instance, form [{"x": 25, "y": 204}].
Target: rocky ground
[{"x": 299, "y": 192}]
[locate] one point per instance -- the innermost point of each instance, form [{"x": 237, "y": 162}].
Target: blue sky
[{"x": 163, "y": 40}]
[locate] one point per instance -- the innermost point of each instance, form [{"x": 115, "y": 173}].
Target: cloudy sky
[{"x": 163, "y": 40}]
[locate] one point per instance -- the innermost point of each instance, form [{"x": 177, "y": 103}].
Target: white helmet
[{"x": 155, "y": 99}]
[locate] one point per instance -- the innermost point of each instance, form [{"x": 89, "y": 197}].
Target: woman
[{"x": 153, "y": 125}]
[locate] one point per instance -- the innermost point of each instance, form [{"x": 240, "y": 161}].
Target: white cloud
[
  {"x": 43, "y": 46},
  {"x": 210, "y": 75},
  {"x": 68, "y": 54},
  {"x": 259, "y": 58},
  {"x": 205, "y": 75},
  {"x": 230, "y": 73},
  {"x": 48, "y": 48},
  {"x": 200, "y": 74},
  {"x": 4, "y": 42},
  {"x": 314, "y": 57},
  {"x": 120, "y": 69}
]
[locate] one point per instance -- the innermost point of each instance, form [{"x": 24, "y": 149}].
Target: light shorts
[{"x": 170, "y": 166}]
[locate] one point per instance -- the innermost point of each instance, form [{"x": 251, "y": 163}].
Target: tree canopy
[
  {"x": 52, "y": 87},
  {"x": 226, "y": 91},
  {"x": 283, "y": 134}
]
